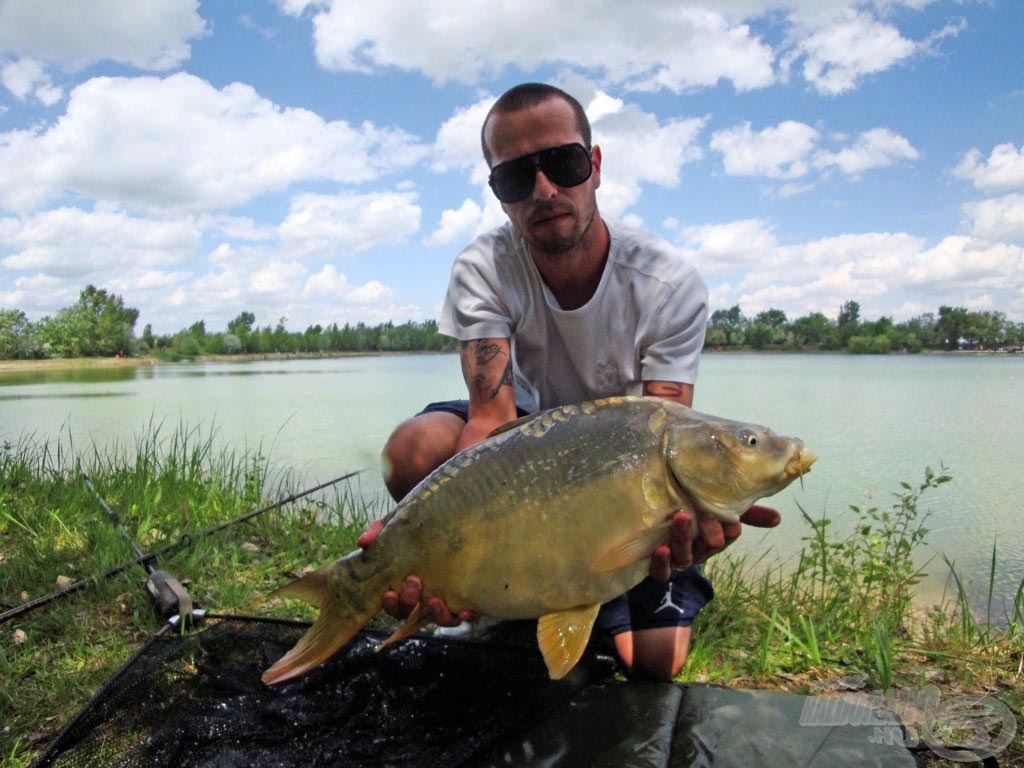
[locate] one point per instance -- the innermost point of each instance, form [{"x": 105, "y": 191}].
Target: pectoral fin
[
  {"x": 563, "y": 637},
  {"x": 632, "y": 550},
  {"x": 416, "y": 621}
]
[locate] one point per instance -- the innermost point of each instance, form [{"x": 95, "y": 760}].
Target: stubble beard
[{"x": 557, "y": 246}]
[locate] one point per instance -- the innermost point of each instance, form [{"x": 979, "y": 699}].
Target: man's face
[{"x": 552, "y": 219}]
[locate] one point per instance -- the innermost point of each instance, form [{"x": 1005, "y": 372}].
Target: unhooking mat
[{"x": 197, "y": 700}]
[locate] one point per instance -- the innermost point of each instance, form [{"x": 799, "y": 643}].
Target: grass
[
  {"x": 847, "y": 610},
  {"x": 164, "y": 487}
]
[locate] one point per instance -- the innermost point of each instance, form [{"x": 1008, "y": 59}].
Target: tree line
[
  {"x": 99, "y": 324},
  {"x": 951, "y": 329}
]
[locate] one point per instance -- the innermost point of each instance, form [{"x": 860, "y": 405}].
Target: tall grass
[
  {"x": 848, "y": 608},
  {"x": 166, "y": 486}
]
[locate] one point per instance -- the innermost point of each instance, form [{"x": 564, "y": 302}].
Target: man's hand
[
  {"x": 401, "y": 603},
  {"x": 694, "y": 541}
]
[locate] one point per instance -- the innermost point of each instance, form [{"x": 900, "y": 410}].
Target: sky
[{"x": 318, "y": 161}]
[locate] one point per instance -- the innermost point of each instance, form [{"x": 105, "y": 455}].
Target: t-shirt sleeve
[
  {"x": 675, "y": 337},
  {"x": 473, "y": 305}
]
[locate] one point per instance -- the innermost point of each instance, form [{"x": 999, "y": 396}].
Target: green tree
[
  {"x": 241, "y": 328},
  {"x": 775, "y": 321},
  {"x": 726, "y": 327},
  {"x": 952, "y": 326},
  {"x": 147, "y": 337},
  {"x": 848, "y": 322},
  {"x": 13, "y": 326},
  {"x": 815, "y": 330},
  {"x": 99, "y": 324}
]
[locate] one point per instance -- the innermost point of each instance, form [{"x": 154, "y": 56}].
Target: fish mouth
[{"x": 800, "y": 464}]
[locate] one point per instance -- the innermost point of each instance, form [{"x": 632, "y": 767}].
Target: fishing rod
[
  {"x": 168, "y": 595},
  {"x": 145, "y": 558}
]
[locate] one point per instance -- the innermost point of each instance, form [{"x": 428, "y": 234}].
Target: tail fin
[{"x": 337, "y": 624}]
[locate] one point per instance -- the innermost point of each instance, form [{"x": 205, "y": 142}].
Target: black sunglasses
[{"x": 566, "y": 166}]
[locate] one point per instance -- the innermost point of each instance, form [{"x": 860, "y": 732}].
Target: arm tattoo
[
  {"x": 478, "y": 358},
  {"x": 663, "y": 388}
]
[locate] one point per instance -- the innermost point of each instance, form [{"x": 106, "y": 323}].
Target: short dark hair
[{"x": 528, "y": 95}]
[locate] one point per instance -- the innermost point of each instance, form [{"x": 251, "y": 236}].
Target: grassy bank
[{"x": 847, "y": 611}]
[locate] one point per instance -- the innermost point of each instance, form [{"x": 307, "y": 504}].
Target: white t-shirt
[{"x": 645, "y": 322}]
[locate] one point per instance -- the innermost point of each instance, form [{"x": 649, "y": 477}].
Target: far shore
[
  {"x": 63, "y": 363},
  {"x": 129, "y": 362}
]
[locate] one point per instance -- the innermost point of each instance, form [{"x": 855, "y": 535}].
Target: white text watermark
[{"x": 962, "y": 728}]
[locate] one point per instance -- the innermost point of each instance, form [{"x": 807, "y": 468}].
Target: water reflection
[
  {"x": 61, "y": 396},
  {"x": 69, "y": 375}
]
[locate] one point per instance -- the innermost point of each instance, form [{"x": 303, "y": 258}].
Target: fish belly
[{"x": 529, "y": 550}]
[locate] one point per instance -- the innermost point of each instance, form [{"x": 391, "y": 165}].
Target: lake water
[{"x": 873, "y": 421}]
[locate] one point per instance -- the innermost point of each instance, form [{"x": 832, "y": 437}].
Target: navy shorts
[
  {"x": 459, "y": 407},
  {"x": 654, "y": 604},
  {"x": 651, "y": 604}
]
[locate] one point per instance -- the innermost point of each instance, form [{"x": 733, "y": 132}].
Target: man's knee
[
  {"x": 654, "y": 654},
  {"x": 416, "y": 448}
]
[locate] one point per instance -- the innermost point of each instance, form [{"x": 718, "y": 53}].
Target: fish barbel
[{"x": 548, "y": 518}]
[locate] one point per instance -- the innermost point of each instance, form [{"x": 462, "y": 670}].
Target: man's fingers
[
  {"x": 390, "y": 604},
  {"x": 661, "y": 563},
  {"x": 711, "y": 533},
  {"x": 366, "y": 537},
  {"x": 761, "y": 517},
  {"x": 731, "y": 531},
  {"x": 410, "y": 595},
  {"x": 680, "y": 540},
  {"x": 441, "y": 614}
]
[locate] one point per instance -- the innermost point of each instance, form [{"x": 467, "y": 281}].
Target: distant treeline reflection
[{"x": 100, "y": 325}]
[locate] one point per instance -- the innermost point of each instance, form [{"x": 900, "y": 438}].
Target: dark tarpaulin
[{"x": 197, "y": 700}]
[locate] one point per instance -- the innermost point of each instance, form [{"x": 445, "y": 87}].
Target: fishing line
[{"x": 145, "y": 558}]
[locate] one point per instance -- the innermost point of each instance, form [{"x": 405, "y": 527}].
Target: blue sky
[{"x": 318, "y": 160}]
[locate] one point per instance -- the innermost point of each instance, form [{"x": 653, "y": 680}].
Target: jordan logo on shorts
[{"x": 666, "y": 601}]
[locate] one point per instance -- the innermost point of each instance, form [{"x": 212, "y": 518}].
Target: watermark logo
[{"x": 961, "y": 728}]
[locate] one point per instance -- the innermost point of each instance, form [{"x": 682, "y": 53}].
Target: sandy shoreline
[
  {"x": 78, "y": 362},
  {"x": 131, "y": 362}
]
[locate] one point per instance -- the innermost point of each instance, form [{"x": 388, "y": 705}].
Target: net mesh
[{"x": 197, "y": 700}]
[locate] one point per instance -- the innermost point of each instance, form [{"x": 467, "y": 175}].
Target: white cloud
[
  {"x": 324, "y": 284},
  {"x": 721, "y": 248},
  {"x": 886, "y": 273},
  {"x": 347, "y": 224},
  {"x": 840, "y": 49},
  {"x": 779, "y": 152},
  {"x": 968, "y": 266},
  {"x": 1004, "y": 168},
  {"x": 457, "y": 146},
  {"x": 876, "y": 148},
  {"x": 639, "y": 149},
  {"x": 373, "y": 292},
  {"x": 457, "y": 226},
  {"x": 77, "y": 244},
  {"x": 151, "y": 35},
  {"x": 26, "y": 78},
  {"x": 178, "y": 142},
  {"x": 1000, "y": 218},
  {"x": 790, "y": 151},
  {"x": 674, "y": 45}
]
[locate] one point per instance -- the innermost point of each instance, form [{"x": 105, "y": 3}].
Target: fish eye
[{"x": 748, "y": 438}]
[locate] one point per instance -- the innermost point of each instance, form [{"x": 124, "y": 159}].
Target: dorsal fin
[{"x": 509, "y": 425}]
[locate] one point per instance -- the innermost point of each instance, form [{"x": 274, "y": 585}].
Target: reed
[{"x": 848, "y": 609}]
